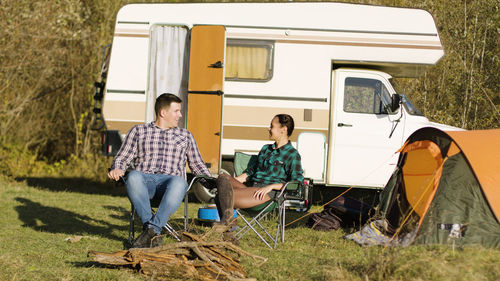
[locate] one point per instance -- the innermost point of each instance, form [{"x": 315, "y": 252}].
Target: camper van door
[
  {"x": 205, "y": 90},
  {"x": 363, "y": 153}
]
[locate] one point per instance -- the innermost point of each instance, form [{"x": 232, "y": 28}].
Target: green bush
[{"x": 17, "y": 161}]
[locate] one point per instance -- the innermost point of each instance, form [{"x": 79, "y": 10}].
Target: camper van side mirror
[{"x": 395, "y": 100}]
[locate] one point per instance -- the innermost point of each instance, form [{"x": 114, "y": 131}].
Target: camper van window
[
  {"x": 249, "y": 60},
  {"x": 362, "y": 95}
]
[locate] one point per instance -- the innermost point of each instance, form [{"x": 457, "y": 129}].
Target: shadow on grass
[
  {"x": 94, "y": 264},
  {"x": 124, "y": 213},
  {"x": 56, "y": 220},
  {"x": 78, "y": 185},
  {"x": 83, "y": 185}
]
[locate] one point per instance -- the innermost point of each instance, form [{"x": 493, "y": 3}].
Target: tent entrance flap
[{"x": 421, "y": 174}]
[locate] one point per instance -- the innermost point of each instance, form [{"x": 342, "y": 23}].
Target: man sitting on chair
[{"x": 159, "y": 151}]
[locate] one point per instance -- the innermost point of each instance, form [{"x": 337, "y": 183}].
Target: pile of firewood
[{"x": 195, "y": 259}]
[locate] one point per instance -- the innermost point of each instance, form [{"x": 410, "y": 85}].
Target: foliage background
[{"x": 50, "y": 54}]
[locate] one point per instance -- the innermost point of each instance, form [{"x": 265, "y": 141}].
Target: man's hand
[{"x": 116, "y": 174}]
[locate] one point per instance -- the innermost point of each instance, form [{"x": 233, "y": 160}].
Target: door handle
[
  {"x": 344, "y": 125},
  {"x": 218, "y": 64},
  {"x": 217, "y": 134}
]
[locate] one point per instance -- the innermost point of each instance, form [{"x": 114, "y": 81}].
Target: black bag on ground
[
  {"x": 343, "y": 212},
  {"x": 352, "y": 212},
  {"x": 326, "y": 220}
]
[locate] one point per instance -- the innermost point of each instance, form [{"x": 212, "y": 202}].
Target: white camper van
[{"x": 236, "y": 65}]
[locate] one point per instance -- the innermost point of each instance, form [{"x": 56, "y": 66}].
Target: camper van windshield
[{"x": 410, "y": 108}]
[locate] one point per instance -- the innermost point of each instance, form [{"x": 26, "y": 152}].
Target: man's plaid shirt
[
  {"x": 154, "y": 150},
  {"x": 276, "y": 165}
]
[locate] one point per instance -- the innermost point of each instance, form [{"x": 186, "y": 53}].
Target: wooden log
[
  {"x": 117, "y": 258},
  {"x": 168, "y": 271}
]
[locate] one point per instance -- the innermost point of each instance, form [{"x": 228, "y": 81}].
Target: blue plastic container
[{"x": 210, "y": 214}]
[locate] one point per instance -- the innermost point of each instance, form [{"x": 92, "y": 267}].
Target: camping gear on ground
[
  {"x": 375, "y": 233},
  {"x": 294, "y": 194},
  {"x": 444, "y": 190},
  {"x": 326, "y": 220},
  {"x": 342, "y": 212}
]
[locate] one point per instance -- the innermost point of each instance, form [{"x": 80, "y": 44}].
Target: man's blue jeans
[{"x": 141, "y": 188}]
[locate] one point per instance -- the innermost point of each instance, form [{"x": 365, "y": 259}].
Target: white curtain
[{"x": 168, "y": 67}]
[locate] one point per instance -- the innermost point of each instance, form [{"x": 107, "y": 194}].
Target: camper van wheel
[{"x": 207, "y": 196}]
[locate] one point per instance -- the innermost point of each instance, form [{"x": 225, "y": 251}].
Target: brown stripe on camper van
[
  {"x": 131, "y": 35},
  {"x": 124, "y": 110},
  {"x": 259, "y": 133},
  {"x": 344, "y": 41},
  {"x": 122, "y": 126},
  {"x": 261, "y": 116},
  {"x": 383, "y": 45},
  {"x": 132, "y": 32}
]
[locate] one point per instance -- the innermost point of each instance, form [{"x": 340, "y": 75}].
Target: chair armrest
[
  {"x": 292, "y": 185},
  {"x": 299, "y": 191},
  {"x": 204, "y": 179}
]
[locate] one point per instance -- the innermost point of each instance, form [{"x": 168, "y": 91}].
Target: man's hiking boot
[
  {"x": 157, "y": 241},
  {"x": 144, "y": 240}
]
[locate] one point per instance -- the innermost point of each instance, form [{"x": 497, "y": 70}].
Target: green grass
[{"x": 38, "y": 214}]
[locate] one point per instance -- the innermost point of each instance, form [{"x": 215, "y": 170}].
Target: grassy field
[{"x": 38, "y": 214}]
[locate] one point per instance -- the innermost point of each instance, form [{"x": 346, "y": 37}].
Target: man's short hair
[{"x": 164, "y": 101}]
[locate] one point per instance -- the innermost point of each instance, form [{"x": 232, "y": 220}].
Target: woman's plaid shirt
[
  {"x": 278, "y": 165},
  {"x": 154, "y": 150}
]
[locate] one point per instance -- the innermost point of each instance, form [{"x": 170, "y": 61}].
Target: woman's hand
[{"x": 259, "y": 194}]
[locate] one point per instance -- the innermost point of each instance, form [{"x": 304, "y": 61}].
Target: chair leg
[
  {"x": 249, "y": 224},
  {"x": 280, "y": 227},
  {"x": 255, "y": 220},
  {"x": 283, "y": 217},
  {"x": 131, "y": 231},
  {"x": 172, "y": 232},
  {"x": 185, "y": 211}
]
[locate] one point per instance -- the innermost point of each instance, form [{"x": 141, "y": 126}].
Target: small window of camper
[
  {"x": 248, "y": 60},
  {"x": 363, "y": 95}
]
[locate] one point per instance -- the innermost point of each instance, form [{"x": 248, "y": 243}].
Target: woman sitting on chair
[{"x": 276, "y": 164}]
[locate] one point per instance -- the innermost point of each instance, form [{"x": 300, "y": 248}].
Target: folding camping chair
[
  {"x": 292, "y": 195},
  {"x": 155, "y": 203}
]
